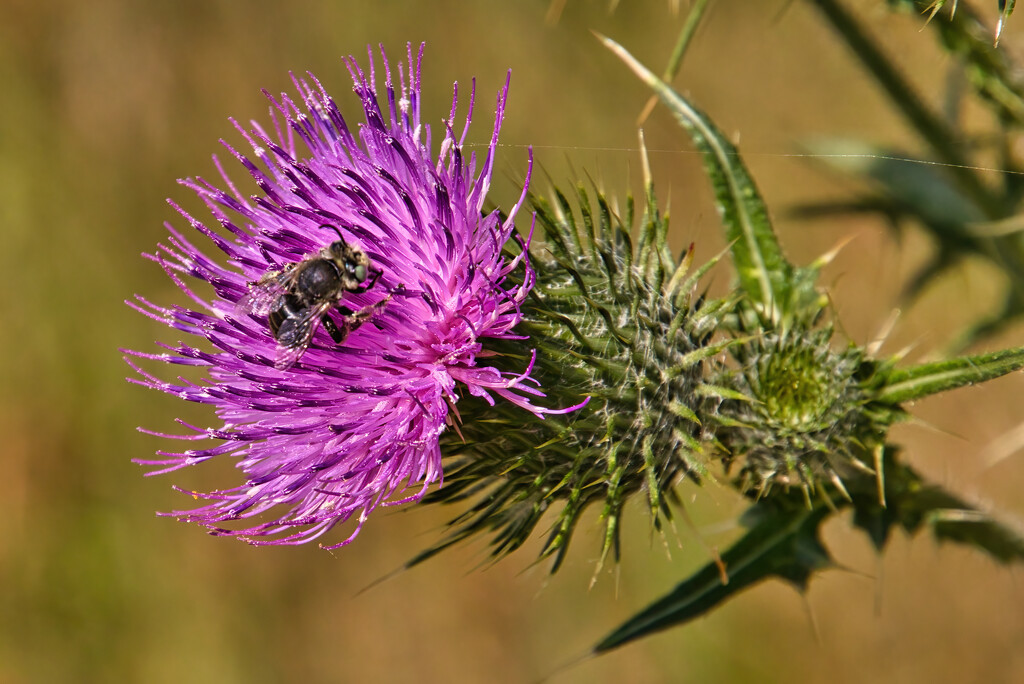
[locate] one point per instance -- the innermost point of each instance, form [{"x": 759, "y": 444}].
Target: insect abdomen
[{"x": 288, "y": 307}]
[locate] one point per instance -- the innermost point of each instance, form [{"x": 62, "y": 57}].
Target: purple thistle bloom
[{"x": 352, "y": 426}]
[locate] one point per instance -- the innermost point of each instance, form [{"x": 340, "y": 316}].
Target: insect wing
[
  {"x": 295, "y": 333},
  {"x": 264, "y": 294}
]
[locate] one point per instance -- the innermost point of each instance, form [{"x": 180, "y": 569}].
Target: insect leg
[
  {"x": 354, "y": 319},
  {"x": 336, "y": 334}
]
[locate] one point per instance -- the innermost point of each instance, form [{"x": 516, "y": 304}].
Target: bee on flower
[{"x": 334, "y": 362}]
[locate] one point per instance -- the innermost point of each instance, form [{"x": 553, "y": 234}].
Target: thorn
[
  {"x": 883, "y": 333},
  {"x": 380, "y": 580},
  {"x": 646, "y": 111},
  {"x": 880, "y": 474},
  {"x": 826, "y": 258},
  {"x": 878, "y": 586},
  {"x": 838, "y": 482},
  {"x": 823, "y": 495},
  {"x": 457, "y": 420},
  {"x": 723, "y": 573},
  {"x": 1004, "y": 446},
  {"x": 554, "y": 13},
  {"x": 811, "y": 617},
  {"x": 645, "y": 162}
]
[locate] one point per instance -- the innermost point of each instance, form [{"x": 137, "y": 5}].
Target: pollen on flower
[{"x": 340, "y": 427}]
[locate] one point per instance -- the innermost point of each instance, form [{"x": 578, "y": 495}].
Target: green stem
[
  {"x": 931, "y": 127},
  {"x": 689, "y": 29}
]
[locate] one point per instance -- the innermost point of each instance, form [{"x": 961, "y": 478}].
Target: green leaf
[
  {"x": 914, "y": 504},
  {"x": 926, "y": 379},
  {"x": 965, "y": 525},
  {"x": 784, "y": 541},
  {"x": 781, "y": 543},
  {"x": 768, "y": 279},
  {"x": 916, "y": 185}
]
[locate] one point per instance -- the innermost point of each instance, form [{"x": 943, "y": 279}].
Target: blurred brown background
[{"x": 105, "y": 103}]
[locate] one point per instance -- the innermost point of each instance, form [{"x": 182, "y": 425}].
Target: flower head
[
  {"x": 810, "y": 415},
  {"x": 328, "y": 431}
]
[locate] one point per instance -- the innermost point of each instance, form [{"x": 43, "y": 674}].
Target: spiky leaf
[
  {"x": 914, "y": 505},
  {"x": 782, "y": 542},
  {"x": 926, "y": 379},
  {"x": 778, "y": 290}
]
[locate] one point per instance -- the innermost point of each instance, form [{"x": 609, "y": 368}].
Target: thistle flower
[{"x": 348, "y": 427}]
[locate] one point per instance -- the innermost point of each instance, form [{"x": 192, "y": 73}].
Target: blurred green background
[{"x": 105, "y": 103}]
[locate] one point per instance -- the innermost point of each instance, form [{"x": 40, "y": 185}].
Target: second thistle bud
[
  {"x": 808, "y": 416},
  {"x": 616, "y": 321}
]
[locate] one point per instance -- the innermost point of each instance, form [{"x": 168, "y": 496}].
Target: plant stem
[
  {"x": 689, "y": 29},
  {"x": 676, "y": 60},
  {"x": 931, "y": 127}
]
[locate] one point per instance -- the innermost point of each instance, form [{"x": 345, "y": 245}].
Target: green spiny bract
[
  {"x": 612, "y": 321},
  {"x": 810, "y": 417}
]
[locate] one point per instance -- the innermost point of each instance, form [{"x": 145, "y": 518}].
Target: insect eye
[{"x": 360, "y": 273}]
